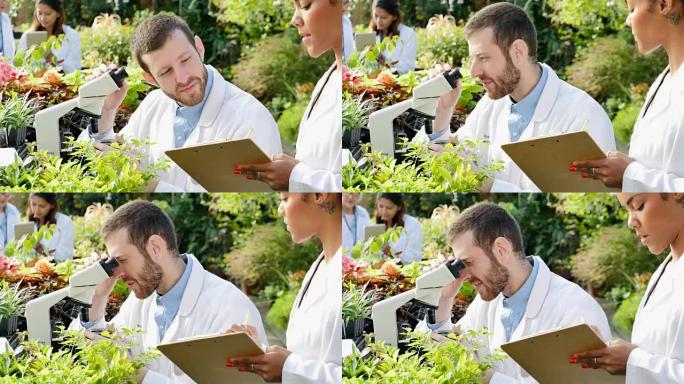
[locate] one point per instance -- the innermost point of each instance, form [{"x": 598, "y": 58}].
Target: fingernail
[
  {"x": 585, "y": 365},
  {"x": 573, "y": 360},
  {"x": 229, "y": 365},
  {"x": 249, "y": 177},
  {"x": 236, "y": 171},
  {"x": 241, "y": 369},
  {"x": 585, "y": 176},
  {"x": 572, "y": 168}
]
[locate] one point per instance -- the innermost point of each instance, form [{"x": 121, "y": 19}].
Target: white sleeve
[
  {"x": 65, "y": 245},
  {"x": 648, "y": 367},
  {"x": 407, "y": 58},
  {"x": 72, "y": 59},
  {"x": 500, "y": 378},
  {"x": 639, "y": 178},
  {"x": 299, "y": 370},
  {"x": 21, "y": 46},
  {"x": 265, "y": 134},
  {"x": 414, "y": 243},
  {"x": 304, "y": 178}
]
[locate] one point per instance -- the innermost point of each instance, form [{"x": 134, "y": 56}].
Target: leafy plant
[
  {"x": 354, "y": 111},
  {"x": 82, "y": 361},
  {"x": 12, "y": 299},
  {"x": 16, "y": 111},
  {"x": 106, "y": 42},
  {"x": 279, "y": 313},
  {"x": 434, "y": 231},
  {"x": 367, "y": 59},
  {"x": 88, "y": 170},
  {"x": 626, "y": 313},
  {"x": 32, "y": 60},
  {"x": 240, "y": 212},
  {"x": 441, "y": 42},
  {"x": 23, "y": 249},
  {"x": 356, "y": 301},
  {"x": 425, "y": 362},
  {"x": 456, "y": 169},
  {"x": 87, "y": 236}
]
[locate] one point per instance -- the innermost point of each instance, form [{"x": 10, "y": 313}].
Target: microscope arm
[
  {"x": 38, "y": 315},
  {"x": 384, "y": 314},
  {"x": 380, "y": 124},
  {"x": 47, "y": 126}
]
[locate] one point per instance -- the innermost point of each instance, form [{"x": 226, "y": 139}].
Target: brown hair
[
  {"x": 56, "y": 5},
  {"x": 487, "y": 222},
  {"x": 50, "y": 198},
  {"x": 152, "y": 33},
  {"x": 509, "y": 22},
  {"x": 142, "y": 219},
  {"x": 392, "y": 7},
  {"x": 398, "y": 200}
]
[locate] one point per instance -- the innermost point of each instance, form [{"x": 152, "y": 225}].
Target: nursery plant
[
  {"x": 356, "y": 306},
  {"x": 16, "y": 114},
  {"x": 12, "y": 302}
]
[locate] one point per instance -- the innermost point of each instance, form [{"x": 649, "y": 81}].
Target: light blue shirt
[
  {"x": 514, "y": 307},
  {"x": 169, "y": 303},
  {"x": 522, "y": 111},
  {"x": 187, "y": 117}
]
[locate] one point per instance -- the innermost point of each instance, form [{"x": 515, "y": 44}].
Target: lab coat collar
[
  {"x": 548, "y": 96},
  {"x": 540, "y": 289},
  {"x": 214, "y": 102}
]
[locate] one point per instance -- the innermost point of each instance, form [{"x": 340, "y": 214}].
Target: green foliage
[
  {"x": 88, "y": 171},
  {"x": 624, "y": 120},
  {"x": 371, "y": 250},
  {"x": 275, "y": 65},
  {"x": 421, "y": 170},
  {"x": 32, "y": 60},
  {"x": 626, "y": 312},
  {"x": 289, "y": 120},
  {"x": 83, "y": 361},
  {"x": 434, "y": 231},
  {"x": 585, "y": 213},
  {"x": 23, "y": 249},
  {"x": 605, "y": 17},
  {"x": 595, "y": 263},
  {"x": 268, "y": 255},
  {"x": 356, "y": 301},
  {"x": 16, "y": 112},
  {"x": 441, "y": 44},
  {"x": 367, "y": 59},
  {"x": 610, "y": 65},
  {"x": 12, "y": 299},
  {"x": 354, "y": 111},
  {"x": 87, "y": 236},
  {"x": 426, "y": 362},
  {"x": 240, "y": 212},
  {"x": 106, "y": 44},
  {"x": 279, "y": 313},
  {"x": 248, "y": 21}
]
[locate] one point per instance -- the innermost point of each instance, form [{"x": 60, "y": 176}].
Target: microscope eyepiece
[
  {"x": 118, "y": 75},
  {"x": 109, "y": 265},
  {"x": 453, "y": 76},
  {"x": 455, "y": 268}
]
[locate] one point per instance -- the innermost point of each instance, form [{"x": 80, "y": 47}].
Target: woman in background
[
  {"x": 386, "y": 22},
  {"x": 43, "y": 209},
  {"x": 391, "y": 211}
]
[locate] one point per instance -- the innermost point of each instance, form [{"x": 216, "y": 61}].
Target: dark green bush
[
  {"x": 613, "y": 257},
  {"x": 289, "y": 120},
  {"x": 275, "y": 66},
  {"x": 626, "y": 312},
  {"x": 279, "y": 314},
  {"x": 267, "y": 255},
  {"x": 610, "y": 65},
  {"x": 441, "y": 44},
  {"x": 623, "y": 122}
]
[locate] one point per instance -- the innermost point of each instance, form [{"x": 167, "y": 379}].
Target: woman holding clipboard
[
  {"x": 656, "y": 150},
  {"x": 317, "y": 165},
  {"x": 314, "y": 331},
  {"x": 656, "y": 352}
]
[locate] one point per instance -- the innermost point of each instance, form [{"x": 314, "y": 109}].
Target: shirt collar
[
  {"x": 171, "y": 300},
  {"x": 528, "y": 104},
  {"x": 518, "y": 301},
  {"x": 196, "y": 110}
]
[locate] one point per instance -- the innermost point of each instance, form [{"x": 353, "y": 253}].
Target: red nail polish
[
  {"x": 236, "y": 171},
  {"x": 249, "y": 177},
  {"x": 584, "y": 365},
  {"x": 573, "y": 360},
  {"x": 572, "y": 168},
  {"x": 585, "y": 176},
  {"x": 241, "y": 369}
]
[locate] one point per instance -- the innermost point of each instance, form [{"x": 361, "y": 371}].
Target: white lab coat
[
  {"x": 410, "y": 242},
  {"x": 68, "y": 55},
  {"x": 7, "y": 38},
  {"x": 12, "y": 217},
  {"x": 404, "y": 51},
  {"x": 657, "y": 143},
  {"x": 554, "y": 303},
  {"x": 209, "y": 306},
  {"x": 658, "y": 331},
  {"x": 354, "y": 230},
  {"x": 229, "y": 113},
  {"x": 348, "y": 45},
  {"x": 561, "y": 108},
  {"x": 62, "y": 240},
  {"x": 314, "y": 331},
  {"x": 319, "y": 142}
]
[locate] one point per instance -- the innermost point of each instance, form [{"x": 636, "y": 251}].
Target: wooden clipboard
[
  {"x": 204, "y": 358},
  {"x": 545, "y": 161},
  {"x": 546, "y": 356},
  {"x": 211, "y": 164}
]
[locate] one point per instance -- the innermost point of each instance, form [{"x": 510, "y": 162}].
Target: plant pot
[
  {"x": 353, "y": 328},
  {"x": 16, "y": 137},
  {"x": 8, "y": 326},
  {"x": 351, "y": 137},
  {"x": 3, "y": 138}
]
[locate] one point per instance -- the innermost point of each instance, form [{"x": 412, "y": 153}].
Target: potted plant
[
  {"x": 16, "y": 114},
  {"x": 354, "y": 119},
  {"x": 356, "y": 305},
  {"x": 12, "y": 301}
]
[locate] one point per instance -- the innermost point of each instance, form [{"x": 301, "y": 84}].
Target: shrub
[
  {"x": 268, "y": 255},
  {"x": 289, "y": 120},
  {"x": 610, "y": 65},
  {"x": 626, "y": 312},
  {"x": 107, "y": 41},
  {"x": 279, "y": 314},
  {"x": 434, "y": 231},
  {"x": 442, "y": 42},
  {"x": 275, "y": 65},
  {"x": 612, "y": 258}
]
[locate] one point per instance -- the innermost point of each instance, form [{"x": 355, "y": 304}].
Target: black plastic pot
[
  {"x": 8, "y": 326},
  {"x": 16, "y": 137},
  {"x": 353, "y": 328},
  {"x": 351, "y": 137}
]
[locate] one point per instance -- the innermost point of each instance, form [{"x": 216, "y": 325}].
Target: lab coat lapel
[
  {"x": 212, "y": 107},
  {"x": 317, "y": 91},
  {"x": 547, "y": 100},
  {"x": 540, "y": 290},
  {"x": 189, "y": 300}
]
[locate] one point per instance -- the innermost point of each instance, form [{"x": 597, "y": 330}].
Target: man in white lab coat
[
  {"x": 524, "y": 98},
  {"x": 173, "y": 296},
  {"x": 517, "y": 295},
  {"x": 194, "y": 104}
]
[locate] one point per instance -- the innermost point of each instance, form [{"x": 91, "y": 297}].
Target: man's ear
[
  {"x": 156, "y": 246},
  {"x": 503, "y": 249},
  {"x": 149, "y": 78},
  {"x": 200, "y": 47},
  {"x": 518, "y": 51}
]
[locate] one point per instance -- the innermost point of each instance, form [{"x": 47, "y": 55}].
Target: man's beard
[
  {"x": 189, "y": 100},
  {"x": 506, "y": 83}
]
